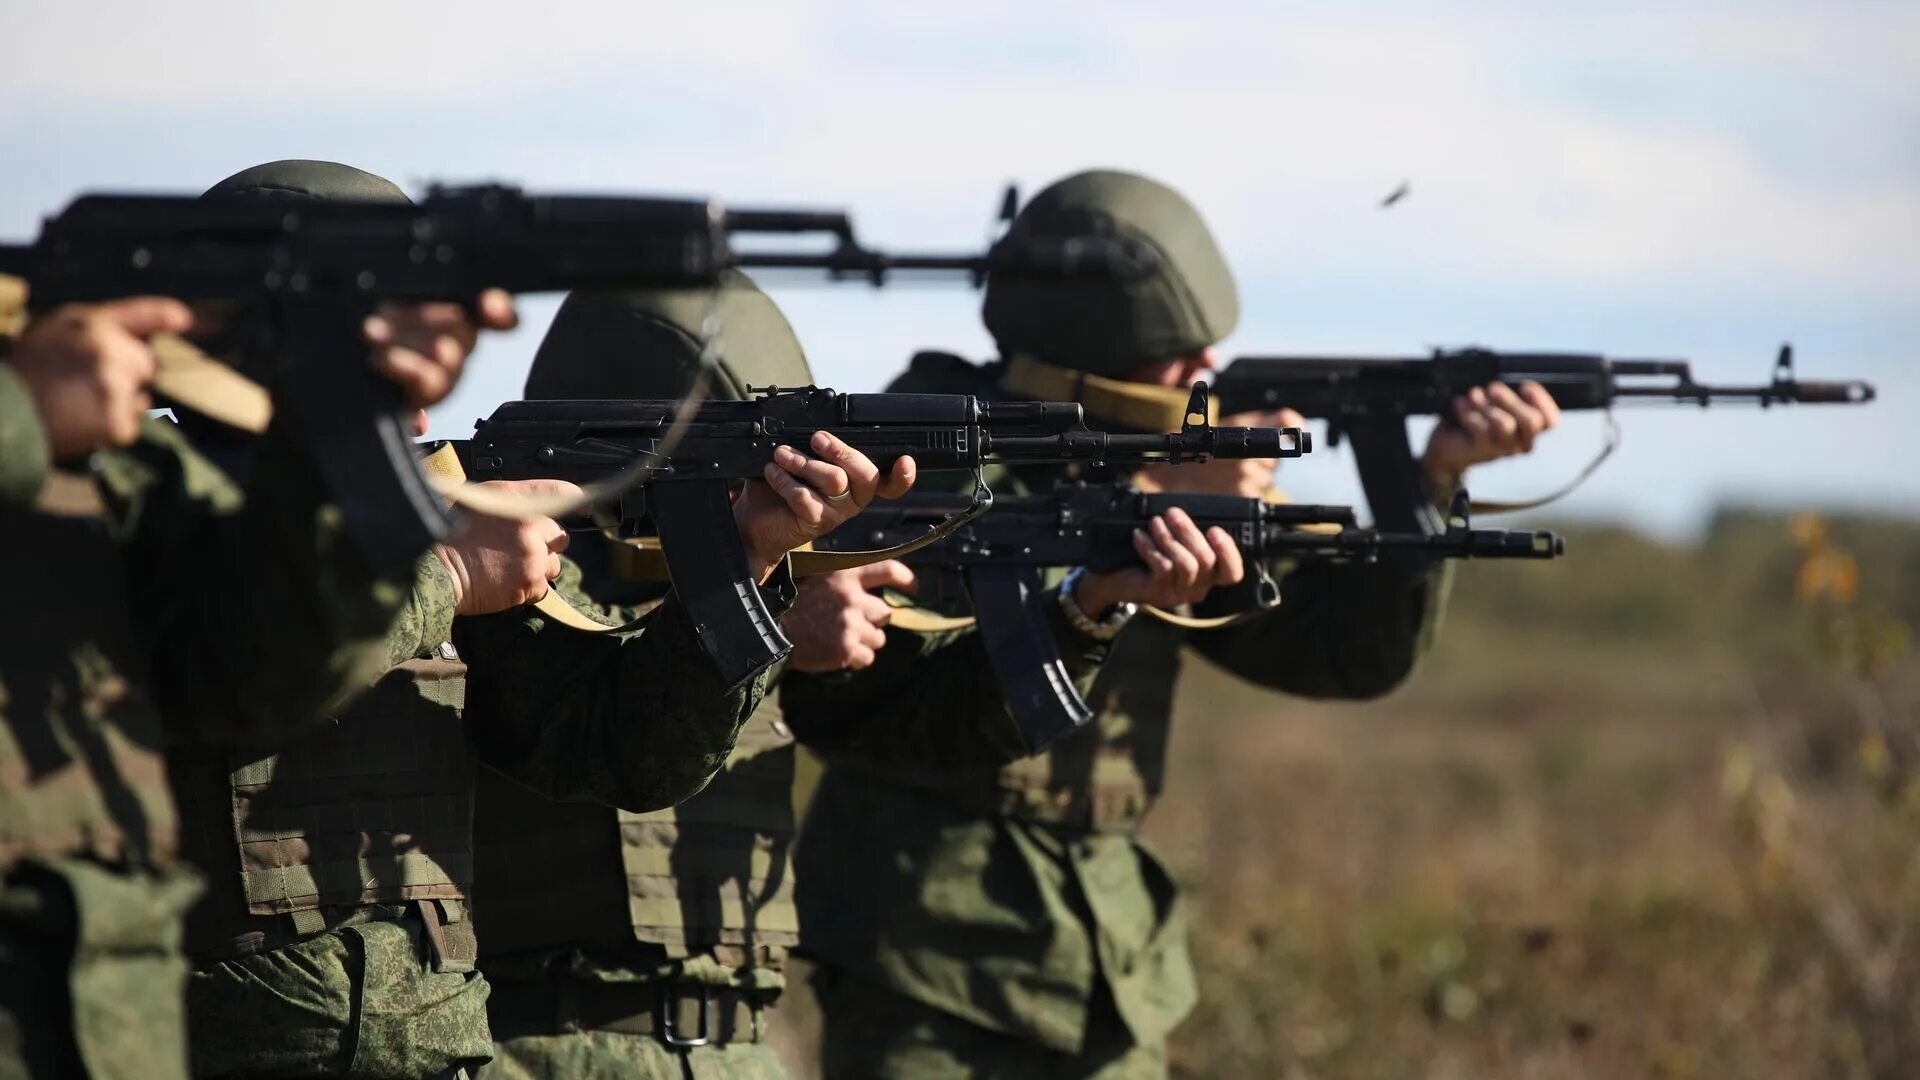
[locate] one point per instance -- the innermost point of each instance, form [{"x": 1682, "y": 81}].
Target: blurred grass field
[{"x": 1646, "y": 811}]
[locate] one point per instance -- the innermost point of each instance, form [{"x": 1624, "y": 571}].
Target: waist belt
[
  {"x": 446, "y": 932},
  {"x": 680, "y": 1014}
]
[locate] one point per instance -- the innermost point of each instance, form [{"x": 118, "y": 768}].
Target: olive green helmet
[
  {"x": 296, "y": 178},
  {"x": 648, "y": 344},
  {"x": 293, "y": 179},
  {"x": 1109, "y": 327}
]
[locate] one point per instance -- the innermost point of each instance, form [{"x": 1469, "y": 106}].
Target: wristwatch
[{"x": 1099, "y": 630}]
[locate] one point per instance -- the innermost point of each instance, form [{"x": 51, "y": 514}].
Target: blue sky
[{"x": 1696, "y": 180}]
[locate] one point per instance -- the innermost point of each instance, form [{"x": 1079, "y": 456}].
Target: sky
[{"x": 1693, "y": 180}]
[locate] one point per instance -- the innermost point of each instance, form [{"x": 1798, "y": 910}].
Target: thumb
[{"x": 145, "y": 316}]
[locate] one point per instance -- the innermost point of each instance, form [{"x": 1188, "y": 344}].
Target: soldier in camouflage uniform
[
  {"x": 147, "y": 585},
  {"x": 337, "y": 939},
  {"x": 975, "y": 918},
  {"x": 615, "y": 941}
]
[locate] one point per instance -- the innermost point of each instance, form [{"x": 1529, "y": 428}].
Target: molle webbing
[
  {"x": 373, "y": 811},
  {"x": 80, "y": 767},
  {"x": 710, "y": 875}
]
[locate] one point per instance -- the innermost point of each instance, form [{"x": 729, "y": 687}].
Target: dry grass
[{"x": 1638, "y": 816}]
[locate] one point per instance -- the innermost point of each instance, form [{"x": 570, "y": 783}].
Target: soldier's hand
[
  {"x": 1489, "y": 422},
  {"x": 424, "y": 347},
  {"x": 1248, "y": 478},
  {"x": 89, "y": 369},
  {"x": 803, "y": 498},
  {"x": 499, "y": 564},
  {"x": 1182, "y": 564},
  {"x": 836, "y": 623}
]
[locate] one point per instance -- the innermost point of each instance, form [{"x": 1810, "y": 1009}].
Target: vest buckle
[{"x": 669, "y": 1012}]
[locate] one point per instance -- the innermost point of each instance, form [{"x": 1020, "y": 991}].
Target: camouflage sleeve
[
  {"x": 1341, "y": 631},
  {"x": 639, "y": 719},
  {"x": 24, "y": 458},
  {"x": 928, "y": 699},
  {"x": 426, "y": 619},
  {"x": 261, "y": 616}
]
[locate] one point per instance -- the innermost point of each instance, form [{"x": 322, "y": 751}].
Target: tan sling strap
[
  {"x": 1116, "y": 401},
  {"x": 181, "y": 372}
]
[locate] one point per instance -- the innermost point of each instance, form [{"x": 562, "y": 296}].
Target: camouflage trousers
[
  {"x": 606, "y": 1055},
  {"x": 90, "y": 971},
  {"x": 360, "y": 1002},
  {"x": 868, "y": 1032}
]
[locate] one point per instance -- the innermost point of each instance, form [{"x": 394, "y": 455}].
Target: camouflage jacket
[
  {"x": 701, "y": 891},
  {"x": 1007, "y": 894},
  {"x": 225, "y": 612}
]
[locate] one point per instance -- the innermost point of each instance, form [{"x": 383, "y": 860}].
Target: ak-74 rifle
[
  {"x": 1366, "y": 400},
  {"x": 682, "y": 458},
  {"x": 302, "y": 277},
  {"x": 994, "y": 563}
]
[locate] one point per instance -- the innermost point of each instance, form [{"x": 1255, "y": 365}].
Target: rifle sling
[
  {"x": 1481, "y": 506},
  {"x": 1115, "y": 401},
  {"x": 639, "y": 558}
]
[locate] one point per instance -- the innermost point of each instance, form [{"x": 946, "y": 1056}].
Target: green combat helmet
[
  {"x": 649, "y": 344},
  {"x": 294, "y": 179},
  {"x": 1110, "y": 327},
  {"x": 300, "y": 179}
]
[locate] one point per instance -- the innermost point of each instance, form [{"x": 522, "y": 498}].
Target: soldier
[
  {"x": 337, "y": 939},
  {"x": 977, "y": 919},
  {"x": 622, "y": 944},
  {"x": 125, "y": 547}
]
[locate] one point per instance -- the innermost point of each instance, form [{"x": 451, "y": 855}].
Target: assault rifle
[
  {"x": 1367, "y": 400},
  {"x": 684, "y": 457},
  {"x": 304, "y": 275},
  {"x": 994, "y": 564}
]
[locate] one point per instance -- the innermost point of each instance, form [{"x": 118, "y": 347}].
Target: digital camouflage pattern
[
  {"x": 127, "y": 629},
  {"x": 1016, "y": 897},
  {"x": 637, "y": 719},
  {"x": 870, "y": 1031},
  {"x": 360, "y": 1002},
  {"x": 699, "y": 892},
  {"x": 90, "y": 970},
  {"x": 607, "y": 1055}
]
